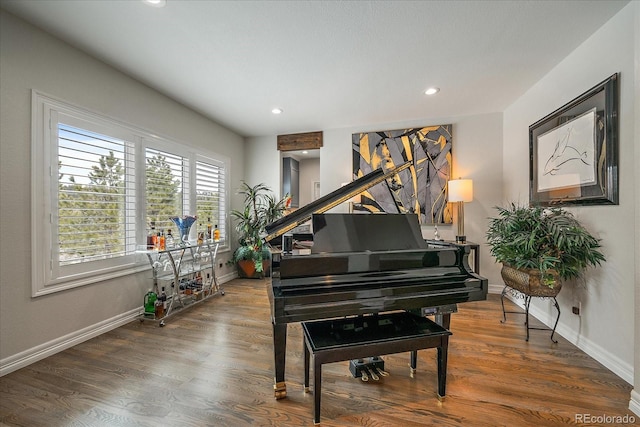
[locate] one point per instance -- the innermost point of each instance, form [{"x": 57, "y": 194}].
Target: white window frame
[{"x": 47, "y": 277}]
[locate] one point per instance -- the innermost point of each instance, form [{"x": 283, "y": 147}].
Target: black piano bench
[{"x": 337, "y": 340}]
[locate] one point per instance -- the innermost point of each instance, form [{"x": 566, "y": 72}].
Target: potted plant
[
  {"x": 540, "y": 246},
  {"x": 261, "y": 207}
]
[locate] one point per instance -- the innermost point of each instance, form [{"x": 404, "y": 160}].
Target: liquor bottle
[
  {"x": 150, "y": 302},
  {"x": 151, "y": 238},
  {"x": 158, "y": 241},
  {"x": 162, "y": 241},
  {"x": 159, "y": 309},
  {"x": 163, "y": 298},
  {"x": 216, "y": 234},
  {"x": 209, "y": 235},
  {"x": 169, "y": 241}
]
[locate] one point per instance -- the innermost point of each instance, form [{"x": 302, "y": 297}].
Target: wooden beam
[{"x": 300, "y": 141}]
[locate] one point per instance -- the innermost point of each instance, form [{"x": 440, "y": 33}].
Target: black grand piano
[{"x": 361, "y": 264}]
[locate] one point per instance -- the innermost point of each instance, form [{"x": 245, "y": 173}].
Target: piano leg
[
  {"x": 443, "y": 320},
  {"x": 279, "y": 352},
  {"x": 443, "y": 351}
]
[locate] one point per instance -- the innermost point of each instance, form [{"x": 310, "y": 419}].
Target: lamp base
[{"x": 461, "y": 239}]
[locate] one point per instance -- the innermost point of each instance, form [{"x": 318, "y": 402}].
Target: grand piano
[{"x": 361, "y": 264}]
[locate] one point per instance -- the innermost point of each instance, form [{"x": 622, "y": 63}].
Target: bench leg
[
  {"x": 414, "y": 363},
  {"x": 317, "y": 387},
  {"x": 306, "y": 365},
  {"x": 442, "y": 367}
]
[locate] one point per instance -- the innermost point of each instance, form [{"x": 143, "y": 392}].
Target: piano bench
[{"x": 342, "y": 339}]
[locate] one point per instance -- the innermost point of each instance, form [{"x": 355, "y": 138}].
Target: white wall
[
  {"x": 309, "y": 172},
  {"x": 608, "y": 293},
  {"x": 477, "y": 154},
  {"x": 32, "y": 59},
  {"x": 262, "y": 162}
]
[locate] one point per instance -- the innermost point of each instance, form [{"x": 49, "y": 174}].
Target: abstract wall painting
[{"x": 420, "y": 189}]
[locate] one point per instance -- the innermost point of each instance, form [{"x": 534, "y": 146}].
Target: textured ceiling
[{"x": 328, "y": 64}]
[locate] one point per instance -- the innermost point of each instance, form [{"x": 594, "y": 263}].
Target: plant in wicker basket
[{"x": 548, "y": 244}]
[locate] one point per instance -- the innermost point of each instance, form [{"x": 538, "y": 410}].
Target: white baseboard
[
  {"x": 634, "y": 402},
  {"x": 495, "y": 289},
  {"x": 608, "y": 359},
  {"x": 227, "y": 277},
  {"x": 32, "y": 355}
]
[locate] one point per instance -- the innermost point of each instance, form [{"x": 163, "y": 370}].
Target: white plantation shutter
[
  {"x": 97, "y": 184},
  {"x": 211, "y": 193},
  {"x": 167, "y": 188},
  {"x": 94, "y": 184}
]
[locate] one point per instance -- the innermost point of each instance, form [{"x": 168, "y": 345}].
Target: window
[
  {"x": 98, "y": 184},
  {"x": 210, "y": 185},
  {"x": 166, "y": 182},
  {"x": 94, "y": 196}
]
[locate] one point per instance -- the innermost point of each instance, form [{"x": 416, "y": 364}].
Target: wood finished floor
[{"x": 212, "y": 366}]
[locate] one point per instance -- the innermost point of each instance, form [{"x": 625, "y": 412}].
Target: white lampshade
[{"x": 460, "y": 190}]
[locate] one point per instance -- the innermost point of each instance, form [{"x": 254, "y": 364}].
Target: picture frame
[{"x": 573, "y": 152}]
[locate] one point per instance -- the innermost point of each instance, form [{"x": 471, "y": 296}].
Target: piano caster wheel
[
  {"x": 412, "y": 372},
  {"x": 306, "y": 390},
  {"x": 280, "y": 390},
  {"x": 441, "y": 398}
]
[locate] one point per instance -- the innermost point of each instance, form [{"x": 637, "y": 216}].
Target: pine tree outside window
[
  {"x": 92, "y": 196},
  {"x": 97, "y": 185}
]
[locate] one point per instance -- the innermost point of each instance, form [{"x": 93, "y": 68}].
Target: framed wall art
[
  {"x": 573, "y": 152},
  {"x": 420, "y": 189}
]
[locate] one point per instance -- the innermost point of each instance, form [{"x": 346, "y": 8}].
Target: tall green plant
[
  {"x": 260, "y": 208},
  {"x": 543, "y": 239}
]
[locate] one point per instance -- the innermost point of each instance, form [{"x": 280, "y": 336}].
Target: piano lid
[{"x": 324, "y": 203}]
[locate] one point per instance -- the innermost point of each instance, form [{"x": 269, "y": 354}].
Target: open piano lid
[{"x": 324, "y": 203}]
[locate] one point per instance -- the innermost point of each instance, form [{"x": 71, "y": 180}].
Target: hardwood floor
[{"x": 212, "y": 366}]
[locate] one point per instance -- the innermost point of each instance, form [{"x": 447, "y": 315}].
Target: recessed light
[
  {"x": 432, "y": 91},
  {"x": 156, "y": 3},
  {"x": 277, "y": 111},
  {"x": 305, "y": 152}
]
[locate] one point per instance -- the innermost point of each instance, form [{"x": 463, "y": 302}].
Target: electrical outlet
[
  {"x": 220, "y": 266},
  {"x": 577, "y": 309}
]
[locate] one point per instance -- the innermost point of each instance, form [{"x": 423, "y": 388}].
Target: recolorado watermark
[{"x": 604, "y": 419}]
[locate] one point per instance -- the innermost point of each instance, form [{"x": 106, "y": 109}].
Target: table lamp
[{"x": 460, "y": 191}]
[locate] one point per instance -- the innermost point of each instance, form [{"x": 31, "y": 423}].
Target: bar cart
[{"x": 182, "y": 276}]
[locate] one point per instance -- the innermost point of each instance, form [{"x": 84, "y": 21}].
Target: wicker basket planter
[{"x": 528, "y": 282}]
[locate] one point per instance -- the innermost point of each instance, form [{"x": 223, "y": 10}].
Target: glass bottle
[
  {"x": 216, "y": 234},
  {"x": 209, "y": 235},
  {"x": 151, "y": 237},
  {"x": 159, "y": 310},
  {"x": 163, "y": 298},
  {"x": 169, "y": 241},
  {"x": 162, "y": 241},
  {"x": 150, "y": 302}
]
